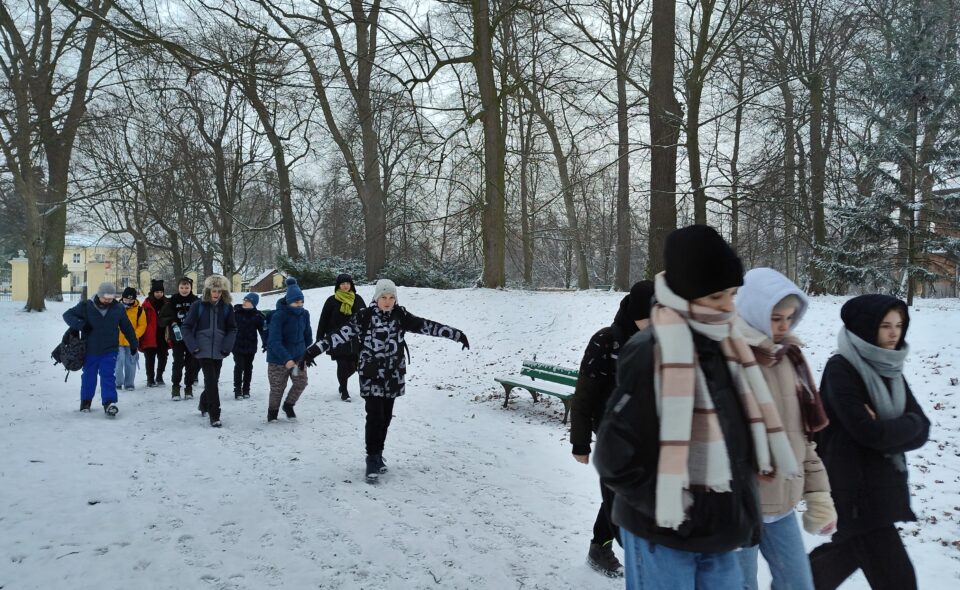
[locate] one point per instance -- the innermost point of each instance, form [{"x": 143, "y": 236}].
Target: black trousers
[
  {"x": 603, "y": 528},
  {"x": 242, "y": 371},
  {"x": 156, "y": 360},
  {"x": 184, "y": 361},
  {"x": 346, "y": 367},
  {"x": 379, "y": 414},
  {"x": 879, "y": 553},
  {"x": 210, "y": 398}
]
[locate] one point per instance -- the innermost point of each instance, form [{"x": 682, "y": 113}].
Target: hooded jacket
[
  {"x": 99, "y": 325},
  {"x": 175, "y": 311},
  {"x": 289, "y": 334},
  {"x": 210, "y": 328},
  {"x": 332, "y": 319},
  {"x": 762, "y": 290},
  {"x": 868, "y": 491},
  {"x": 138, "y": 319}
]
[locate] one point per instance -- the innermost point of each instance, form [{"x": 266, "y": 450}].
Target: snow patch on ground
[{"x": 478, "y": 496}]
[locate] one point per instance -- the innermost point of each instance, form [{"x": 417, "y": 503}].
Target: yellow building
[{"x": 87, "y": 262}]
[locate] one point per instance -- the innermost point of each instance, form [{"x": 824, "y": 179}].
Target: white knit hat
[{"x": 384, "y": 287}]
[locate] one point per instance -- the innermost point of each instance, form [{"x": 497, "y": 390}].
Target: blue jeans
[
  {"x": 104, "y": 366},
  {"x": 782, "y": 548},
  {"x": 655, "y": 567},
  {"x": 126, "y": 367}
]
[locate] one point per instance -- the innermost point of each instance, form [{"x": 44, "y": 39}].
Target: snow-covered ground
[{"x": 477, "y": 497}]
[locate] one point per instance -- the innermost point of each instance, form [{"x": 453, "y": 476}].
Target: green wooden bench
[{"x": 542, "y": 379}]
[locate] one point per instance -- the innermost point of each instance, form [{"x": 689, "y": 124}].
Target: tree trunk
[
  {"x": 526, "y": 237},
  {"x": 494, "y": 206},
  {"x": 622, "y": 278},
  {"x": 664, "y": 132},
  {"x": 735, "y": 158},
  {"x": 694, "y": 92},
  {"x": 789, "y": 204},
  {"x": 818, "y": 165}
]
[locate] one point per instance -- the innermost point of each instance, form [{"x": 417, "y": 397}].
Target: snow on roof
[{"x": 263, "y": 275}]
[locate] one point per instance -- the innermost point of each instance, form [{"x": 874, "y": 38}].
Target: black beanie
[
  {"x": 129, "y": 292},
  {"x": 698, "y": 262},
  {"x": 344, "y": 278},
  {"x": 863, "y": 315},
  {"x": 640, "y": 297},
  {"x": 156, "y": 285}
]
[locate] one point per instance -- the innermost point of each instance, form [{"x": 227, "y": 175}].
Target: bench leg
[
  {"x": 536, "y": 396},
  {"x": 566, "y": 410},
  {"x": 506, "y": 394}
]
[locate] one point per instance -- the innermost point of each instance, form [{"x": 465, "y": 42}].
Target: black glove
[
  {"x": 301, "y": 363},
  {"x": 463, "y": 340},
  {"x": 310, "y": 362},
  {"x": 133, "y": 350}
]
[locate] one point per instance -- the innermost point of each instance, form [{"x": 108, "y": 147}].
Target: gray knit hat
[
  {"x": 106, "y": 289},
  {"x": 384, "y": 287}
]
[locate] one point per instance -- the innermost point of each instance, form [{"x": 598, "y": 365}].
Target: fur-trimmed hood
[{"x": 217, "y": 282}]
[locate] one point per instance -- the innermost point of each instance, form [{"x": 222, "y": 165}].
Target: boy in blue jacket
[
  {"x": 287, "y": 341},
  {"x": 99, "y": 320}
]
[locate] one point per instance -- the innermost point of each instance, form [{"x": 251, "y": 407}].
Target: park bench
[{"x": 542, "y": 379}]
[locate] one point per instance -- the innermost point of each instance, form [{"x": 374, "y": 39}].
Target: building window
[
  {"x": 76, "y": 258},
  {"x": 99, "y": 257}
]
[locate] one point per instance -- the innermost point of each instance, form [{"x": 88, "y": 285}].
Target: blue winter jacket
[
  {"x": 209, "y": 330},
  {"x": 289, "y": 334},
  {"x": 249, "y": 323},
  {"x": 101, "y": 331}
]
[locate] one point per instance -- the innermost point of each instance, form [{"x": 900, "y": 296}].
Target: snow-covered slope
[{"x": 477, "y": 497}]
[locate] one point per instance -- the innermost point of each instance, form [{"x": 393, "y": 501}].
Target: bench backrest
[{"x": 551, "y": 373}]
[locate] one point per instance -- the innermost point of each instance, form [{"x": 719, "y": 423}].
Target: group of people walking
[
  {"x": 204, "y": 330},
  {"x": 710, "y": 431}
]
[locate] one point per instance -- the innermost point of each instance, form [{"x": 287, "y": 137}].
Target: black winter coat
[
  {"x": 174, "y": 312},
  {"x": 250, "y": 322},
  {"x": 332, "y": 319},
  {"x": 868, "y": 491},
  {"x": 101, "y": 331},
  {"x": 628, "y": 450}
]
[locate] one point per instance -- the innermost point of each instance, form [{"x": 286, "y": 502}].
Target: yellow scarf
[{"x": 346, "y": 299}]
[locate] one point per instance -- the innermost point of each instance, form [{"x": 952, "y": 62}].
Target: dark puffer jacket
[
  {"x": 174, "y": 312},
  {"x": 382, "y": 335},
  {"x": 209, "y": 330},
  {"x": 332, "y": 320},
  {"x": 289, "y": 334},
  {"x": 868, "y": 490},
  {"x": 628, "y": 450},
  {"x": 597, "y": 378},
  {"x": 249, "y": 323},
  {"x": 100, "y": 330}
]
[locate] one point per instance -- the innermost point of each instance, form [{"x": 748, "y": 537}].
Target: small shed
[{"x": 268, "y": 280}]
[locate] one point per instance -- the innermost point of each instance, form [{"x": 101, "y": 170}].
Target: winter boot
[
  {"x": 288, "y": 410},
  {"x": 345, "y": 395},
  {"x": 237, "y": 394},
  {"x": 246, "y": 394},
  {"x": 85, "y": 406},
  {"x": 272, "y": 415},
  {"x": 188, "y": 392},
  {"x": 110, "y": 410},
  {"x": 373, "y": 468},
  {"x": 160, "y": 382},
  {"x": 151, "y": 383},
  {"x": 175, "y": 393},
  {"x": 215, "y": 420},
  {"x": 601, "y": 559},
  {"x": 203, "y": 410},
  {"x": 382, "y": 464}
]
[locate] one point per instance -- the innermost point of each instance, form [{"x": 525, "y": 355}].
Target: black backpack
[{"x": 70, "y": 352}]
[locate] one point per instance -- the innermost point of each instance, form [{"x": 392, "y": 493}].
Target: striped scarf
[{"x": 692, "y": 447}]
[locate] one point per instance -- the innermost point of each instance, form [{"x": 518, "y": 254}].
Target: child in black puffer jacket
[{"x": 250, "y": 322}]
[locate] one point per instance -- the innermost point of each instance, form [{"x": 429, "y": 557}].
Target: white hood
[{"x": 764, "y": 288}]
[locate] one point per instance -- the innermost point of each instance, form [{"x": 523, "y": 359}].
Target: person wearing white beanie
[{"x": 381, "y": 331}]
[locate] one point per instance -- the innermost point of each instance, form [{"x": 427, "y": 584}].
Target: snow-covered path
[{"x": 477, "y": 496}]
